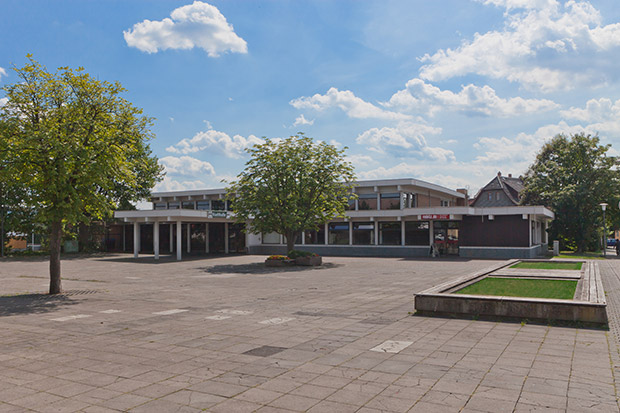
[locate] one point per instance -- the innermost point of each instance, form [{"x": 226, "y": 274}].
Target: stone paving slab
[{"x": 137, "y": 351}]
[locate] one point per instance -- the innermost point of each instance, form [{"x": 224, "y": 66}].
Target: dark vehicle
[{"x": 611, "y": 242}]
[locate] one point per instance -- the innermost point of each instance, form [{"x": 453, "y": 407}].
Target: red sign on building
[{"x": 435, "y": 216}]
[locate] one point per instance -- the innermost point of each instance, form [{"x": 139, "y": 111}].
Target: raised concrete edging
[{"x": 590, "y": 306}]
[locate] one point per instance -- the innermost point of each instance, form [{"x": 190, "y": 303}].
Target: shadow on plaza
[
  {"x": 148, "y": 258},
  {"x": 261, "y": 268},
  {"x": 33, "y": 303}
]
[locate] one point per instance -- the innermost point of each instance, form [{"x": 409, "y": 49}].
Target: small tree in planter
[{"x": 292, "y": 186}]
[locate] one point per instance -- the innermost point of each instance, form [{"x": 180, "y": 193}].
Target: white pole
[
  {"x": 179, "y": 245},
  {"x": 156, "y": 239},
  {"x": 136, "y": 239}
]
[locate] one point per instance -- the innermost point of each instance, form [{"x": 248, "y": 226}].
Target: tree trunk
[
  {"x": 55, "y": 240},
  {"x": 290, "y": 241}
]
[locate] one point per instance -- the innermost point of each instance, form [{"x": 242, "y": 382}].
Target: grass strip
[
  {"x": 549, "y": 265},
  {"x": 519, "y": 287}
]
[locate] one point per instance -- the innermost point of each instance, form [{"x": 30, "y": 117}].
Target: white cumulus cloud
[
  {"x": 419, "y": 96},
  {"x": 537, "y": 41},
  {"x": 3, "y": 101},
  {"x": 2, "y": 72},
  {"x": 301, "y": 120},
  {"x": 346, "y": 100},
  {"x": 232, "y": 147},
  {"x": 601, "y": 115},
  {"x": 169, "y": 184},
  {"x": 405, "y": 138},
  {"x": 195, "y": 25},
  {"x": 186, "y": 165}
]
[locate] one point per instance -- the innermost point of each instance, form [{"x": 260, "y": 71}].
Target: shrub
[{"x": 296, "y": 254}]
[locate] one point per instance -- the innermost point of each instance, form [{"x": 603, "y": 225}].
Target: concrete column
[
  {"x": 431, "y": 233},
  {"x": 225, "y": 237},
  {"x": 136, "y": 239},
  {"x": 179, "y": 244},
  {"x": 156, "y": 239},
  {"x": 207, "y": 237},
  {"x": 402, "y": 233},
  {"x": 350, "y": 233},
  {"x": 326, "y": 233},
  {"x": 171, "y": 225},
  {"x": 303, "y": 237},
  {"x": 188, "y": 234},
  {"x": 376, "y": 233},
  {"x": 529, "y": 228},
  {"x": 378, "y": 202},
  {"x": 124, "y": 243}
]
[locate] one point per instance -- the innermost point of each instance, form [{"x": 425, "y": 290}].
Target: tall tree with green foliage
[
  {"x": 76, "y": 147},
  {"x": 572, "y": 176},
  {"x": 292, "y": 186}
]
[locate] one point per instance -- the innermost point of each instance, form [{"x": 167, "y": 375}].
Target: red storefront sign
[{"x": 435, "y": 216}]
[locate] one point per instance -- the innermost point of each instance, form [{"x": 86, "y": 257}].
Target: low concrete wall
[
  {"x": 346, "y": 250},
  {"x": 539, "y": 309},
  {"x": 503, "y": 252}
]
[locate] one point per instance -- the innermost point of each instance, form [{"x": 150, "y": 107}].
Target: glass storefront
[{"x": 446, "y": 237}]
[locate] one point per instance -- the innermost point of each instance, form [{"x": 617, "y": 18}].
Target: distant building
[
  {"x": 391, "y": 217},
  {"x": 501, "y": 191}
]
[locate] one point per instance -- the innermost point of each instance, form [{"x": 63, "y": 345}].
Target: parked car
[{"x": 611, "y": 242}]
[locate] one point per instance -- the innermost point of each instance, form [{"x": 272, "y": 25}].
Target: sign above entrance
[
  {"x": 219, "y": 214},
  {"x": 435, "y": 216}
]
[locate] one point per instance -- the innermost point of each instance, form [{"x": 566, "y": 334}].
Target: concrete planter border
[
  {"x": 309, "y": 261},
  {"x": 588, "y": 305},
  {"x": 279, "y": 263}
]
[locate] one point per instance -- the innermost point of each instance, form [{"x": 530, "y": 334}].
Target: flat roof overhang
[{"x": 173, "y": 215}]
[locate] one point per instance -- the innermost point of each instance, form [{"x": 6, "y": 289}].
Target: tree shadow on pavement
[
  {"x": 33, "y": 303},
  {"x": 261, "y": 268}
]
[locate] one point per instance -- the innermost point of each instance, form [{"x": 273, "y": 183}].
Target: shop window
[
  {"x": 271, "y": 238},
  {"x": 203, "y": 205},
  {"x": 218, "y": 205},
  {"x": 160, "y": 205},
  {"x": 363, "y": 233},
  {"x": 390, "y": 201},
  {"x": 188, "y": 205},
  {"x": 417, "y": 233},
  {"x": 389, "y": 233},
  {"x": 338, "y": 233},
  {"x": 174, "y": 205},
  {"x": 316, "y": 237},
  {"x": 367, "y": 202}
]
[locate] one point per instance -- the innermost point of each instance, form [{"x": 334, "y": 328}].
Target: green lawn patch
[
  {"x": 582, "y": 256},
  {"x": 549, "y": 265},
  {"x": 519, "y": 287}
]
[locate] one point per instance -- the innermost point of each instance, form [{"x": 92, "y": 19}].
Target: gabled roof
[{"x": 512, "y": 187}]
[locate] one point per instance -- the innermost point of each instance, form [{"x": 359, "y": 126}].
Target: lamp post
[{"x": 604, "y": 207}]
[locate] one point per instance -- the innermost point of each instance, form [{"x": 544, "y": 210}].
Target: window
[
  {"x": 271, "y": 238},
  {"x": 229, "y": 205},
  {"x": 490, "y": 196},
  {"x": 367, "y": 202},
  {"x": 445, "y": 203},
  {"x": 351, "y": 206},
  {"x": 338, "y": 233},
  {"x": 316, "y": 237},
  {"x": 174, "y": 205},
  {"x": 497, "y": 196},
  {"x": 410, "y": 201},
  {"x": 159, "y": 205},
  {"x": 390, "y": 201},
  {"x": 218, "y": 205},
  {"x": 203, "y": 205},
  {"x": 417, "y": 233},
  {"x": 363, "y": 233},
  {"x": 188, "y": 205},
  {"x": 389, "y": 233}
]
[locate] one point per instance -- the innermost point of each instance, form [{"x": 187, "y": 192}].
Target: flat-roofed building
[{"x": 390, "y": 217}]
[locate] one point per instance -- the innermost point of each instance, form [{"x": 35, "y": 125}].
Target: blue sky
[{"x": 447, "y": 91}]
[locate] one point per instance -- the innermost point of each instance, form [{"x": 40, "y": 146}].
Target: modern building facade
[{"x": 390, "y": 218}]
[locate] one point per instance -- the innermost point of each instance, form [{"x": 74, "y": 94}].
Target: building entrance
[
  {"x": 446, "y": 237},
  {"x": 216, "y": 237}
]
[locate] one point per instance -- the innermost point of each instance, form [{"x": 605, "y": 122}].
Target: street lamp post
[{"x": 604, "y": 206}]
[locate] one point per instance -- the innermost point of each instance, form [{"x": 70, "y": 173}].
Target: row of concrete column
[{"x": 136, "y": 238}]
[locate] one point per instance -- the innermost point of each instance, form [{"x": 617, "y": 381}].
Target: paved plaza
[{"x": 226, "y": 334}]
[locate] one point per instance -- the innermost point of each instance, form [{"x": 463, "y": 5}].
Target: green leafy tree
[
  {"x": 572, "y": 176},
  {"x": 292, "y": 186},
  {"x": 76, "y": 147}
]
